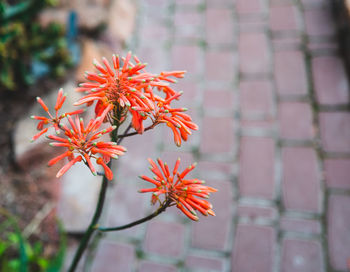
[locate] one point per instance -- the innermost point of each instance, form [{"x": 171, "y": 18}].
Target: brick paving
[{"x": 270, "y": 94}]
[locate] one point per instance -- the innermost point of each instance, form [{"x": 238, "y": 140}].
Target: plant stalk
[
  {"x": 140, "y": 221},
  {"x": 98, "y": 211}
]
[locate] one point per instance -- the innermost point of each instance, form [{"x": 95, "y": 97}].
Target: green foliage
[
  {"x": 24, "y": 42},
  {"x": 19, "y": 255}
]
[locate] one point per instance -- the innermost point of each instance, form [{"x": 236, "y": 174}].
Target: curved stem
[
  {"x": 98, "y": 211},
  {"x": 85, "y": 240},
  {"x": 140, "y": 221},
  {"x": 135, "y": 133},
  {"x": 121, "y": 137}
]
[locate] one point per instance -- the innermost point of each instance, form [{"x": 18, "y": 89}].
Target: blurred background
[{"x": 267, "y": 83}]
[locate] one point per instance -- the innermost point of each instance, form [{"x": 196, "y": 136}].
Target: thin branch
[
  {"x": 120, "y": 137},
  {"x": 98, "y": 211},
  {"x": 140, "y": 221},
  {"x": 136, "y": 133}
]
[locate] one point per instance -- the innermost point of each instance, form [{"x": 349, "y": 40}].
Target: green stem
[
  {"x": 135, "y": 133},
  {"x": 140, "y": 221},
  {"x": 85, "y": 240},
  {"x": 98, "y": 211}
]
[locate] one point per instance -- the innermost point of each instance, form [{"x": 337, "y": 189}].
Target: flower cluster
[
  {"x": 182, "y": 192},
  {"x": 80, "y": 140},
  {"x": 129, "y": 88},
  {"x": 121, "y": 89},
  {"x": 52, "y": 121}
]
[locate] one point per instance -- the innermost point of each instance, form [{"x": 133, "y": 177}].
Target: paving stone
[
  {"x": 148, "y": 266},
  {"x": 283, "y": 18},
  {"x": 313, "y": 3},
  {"x": 203, "y": 236},
  {"x": 194, "y": 263},
  {"x": 219, "y": 65},
  {"x": 301, "y": 180},
  {"x": 314, "y": 45},
  {"x": 113, "y": 257},
  {"x": 134, "y": 162},
  {"x": 218, "y": 99},
  {"x": 335, "y": 131},
  {"x": 256, "y": 212},
  {"x": 187, "y": 18},
  {"x": 256, "y": 98},
  {"x": 290, "y": 73},
  {"x": 252, "y": 6},
  {"x": 219, "y": 26},
  {"x": 259, "y": 154},
  {"x": 185, "y": 58},
  {"x": 295, "y": 119},
  {"x": 286, "y": 42},
  {"x": 217, "y": 135},
  {"x": 156, "y": 3},
  {"x": 253, "y": 59},
  {"x": 153, "y": 31},
  {"x": 258, "y": 124},
  {"x": 188, "y": 24},
  {"x": 337, "y": 173},
  {"x": 186, "y": 2},
  {"x": 126, "y": 204},
  {"x": 172, "y": 238},
  {"x": 253, "y": 248},
  {"x": 303, "y": 256},
  {"x": 78, "y": 198},
  {"x": 330, "y": 81},
  {"x": 154, "y": 56},
  {"x": 338, "y": 231},
  {"x": 300, "y": 225},
  {"x": 190, "y": 90},
  {"x": 319, "y": 22},
  {"x": 207, "y": 166}
]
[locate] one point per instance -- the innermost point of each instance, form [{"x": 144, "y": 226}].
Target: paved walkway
[{"x": 271, "y": 97}]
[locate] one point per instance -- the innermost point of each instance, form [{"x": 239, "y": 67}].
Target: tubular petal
[{"x": 65, "y": 168}]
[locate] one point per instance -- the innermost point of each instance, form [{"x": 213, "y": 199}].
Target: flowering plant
[{"x": 123, "y": 89}]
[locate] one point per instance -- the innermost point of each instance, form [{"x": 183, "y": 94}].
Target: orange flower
[
  {"x": 125, "y": 86},
  {"x": 53, "y": 121},
  {"x": 81, "y": 144},
  {"x": 180, "y": 123},
  {"x": 184, "y": 193}
]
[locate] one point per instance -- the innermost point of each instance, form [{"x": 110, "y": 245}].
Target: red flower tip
[
  {"x": 53, "y": 120},
  {"x": 81, "y": 140},
  {"x": 41, "y": 102},
  {"x": 127, "y": 85},
  {"x": 186, "y": 194}
]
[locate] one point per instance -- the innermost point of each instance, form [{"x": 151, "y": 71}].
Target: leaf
[
  {"x": 57, "y": 262},
  {"x": 17, "y": 238},
  {"x": 13, "y": 238},
  {"x": 13, "y": 265},
  {"x": 43, "y": 263},
  {"x": 22, "y": 252},
  {"x": 3, "y": 247},
  {"x": 37, "y": 248}
]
